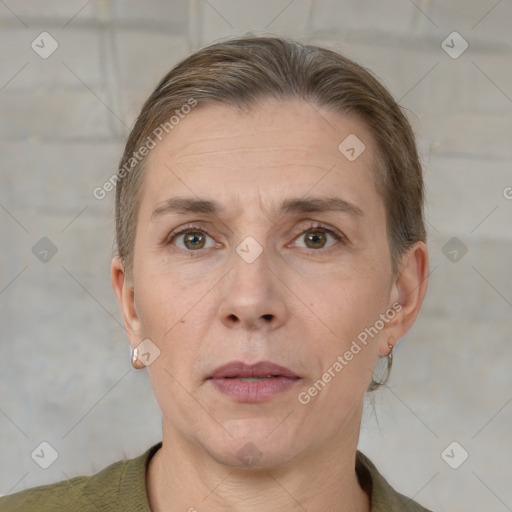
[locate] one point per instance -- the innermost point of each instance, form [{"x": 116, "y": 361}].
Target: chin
[
  {"x": 250, "y": 456},
  {"x": 255, "y": 444}
]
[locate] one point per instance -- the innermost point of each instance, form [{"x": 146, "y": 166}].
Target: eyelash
[{"x": 312, "y": 226}]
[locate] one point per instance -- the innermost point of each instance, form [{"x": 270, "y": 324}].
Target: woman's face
[{"x": 254, "y": 282}]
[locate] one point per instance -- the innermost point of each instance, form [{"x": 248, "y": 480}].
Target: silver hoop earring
[{"x": 374, "y": 384}]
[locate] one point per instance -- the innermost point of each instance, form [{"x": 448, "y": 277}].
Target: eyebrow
[{"x": 292, "y": 205}]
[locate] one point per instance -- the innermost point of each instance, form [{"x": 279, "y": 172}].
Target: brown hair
[{"x": 242, "y": 71}]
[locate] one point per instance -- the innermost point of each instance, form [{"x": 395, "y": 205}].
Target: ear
[
  {"x": 408, "y": 290},
  {"x": 124, "y": 290}
]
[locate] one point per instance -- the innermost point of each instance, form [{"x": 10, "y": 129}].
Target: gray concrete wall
[{"x": 65, "y": 374}]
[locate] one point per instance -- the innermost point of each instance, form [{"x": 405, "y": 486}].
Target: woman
[{"x": 271, "y": 248}]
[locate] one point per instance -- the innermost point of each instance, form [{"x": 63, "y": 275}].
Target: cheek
[
  {"x": 348, "y": 353},
  {"x": 356, "y": 296},
  {"x": 168, "y": 310},
  {"x": 350, "y": 306},
  {"x": 158, "y": 306}
]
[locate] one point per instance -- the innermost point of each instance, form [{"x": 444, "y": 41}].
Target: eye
[
  {"x": 193, "y": 238},
  {"x": 317, "y": 236}
]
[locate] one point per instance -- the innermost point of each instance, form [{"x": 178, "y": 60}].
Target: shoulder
[
  {"x": 109, "y": 489},
  {"x": 66, "y": 495},
  {"x": 62, "y": 496},
  {"x": 383, "y": 496}
]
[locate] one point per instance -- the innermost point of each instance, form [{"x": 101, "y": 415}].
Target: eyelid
[{"x": 314, "y": 224}]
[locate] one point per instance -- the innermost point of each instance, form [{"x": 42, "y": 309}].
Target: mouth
[
  {"x": 258, "y": 371},
  {"x": 253, "y": 383}
]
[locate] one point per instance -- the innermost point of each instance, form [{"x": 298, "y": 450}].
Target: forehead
[{"x": 276, "y": 146}]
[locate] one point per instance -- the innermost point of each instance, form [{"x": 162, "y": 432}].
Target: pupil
[
  {"x": 314, "y": 239},
  {"x": 193, "y": 238}
]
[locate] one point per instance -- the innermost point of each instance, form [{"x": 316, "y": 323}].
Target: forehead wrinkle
[
  {"x": 234, "y": 139},
  {"x": 299, "y": 152}
]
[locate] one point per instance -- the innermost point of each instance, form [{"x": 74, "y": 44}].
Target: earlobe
[
  {"x": 124, "y": 290},
  {"x": 409, "y": 291}
]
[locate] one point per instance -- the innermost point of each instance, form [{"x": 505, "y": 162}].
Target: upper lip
[{"x": 261, "y": 369}]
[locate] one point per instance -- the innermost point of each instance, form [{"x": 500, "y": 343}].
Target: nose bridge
[
  {"x": 252, "y": 295},
  {"x": 251, "y": 274},
  {"x": 252, "y": 227}
]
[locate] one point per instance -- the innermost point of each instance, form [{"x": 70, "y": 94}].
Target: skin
[{"x": 300, "y": 304}]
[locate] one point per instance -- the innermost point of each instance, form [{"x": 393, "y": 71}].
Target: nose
[{"x": 254, "y": 297}]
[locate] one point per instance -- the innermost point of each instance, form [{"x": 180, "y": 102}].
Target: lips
[
  {"x": 237, "y": 369},
  {"x": 252, "y": 383}
]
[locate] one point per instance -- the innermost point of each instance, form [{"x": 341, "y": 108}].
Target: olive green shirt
[{"x": 121, "y": 487}]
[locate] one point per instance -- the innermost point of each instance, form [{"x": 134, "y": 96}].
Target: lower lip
[{"x": 254, "y": 391}]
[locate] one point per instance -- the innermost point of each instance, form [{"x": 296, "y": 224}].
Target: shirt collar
[{"x": 132, "y": 480}]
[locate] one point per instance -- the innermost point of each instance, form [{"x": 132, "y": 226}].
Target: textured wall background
[{"x": 65, "y": 374}]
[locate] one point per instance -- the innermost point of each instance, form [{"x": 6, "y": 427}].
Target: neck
[{"x": 182, "y": 476}]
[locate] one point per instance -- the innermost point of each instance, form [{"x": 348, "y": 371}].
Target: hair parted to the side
[{"x": 246, "y": 70}]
